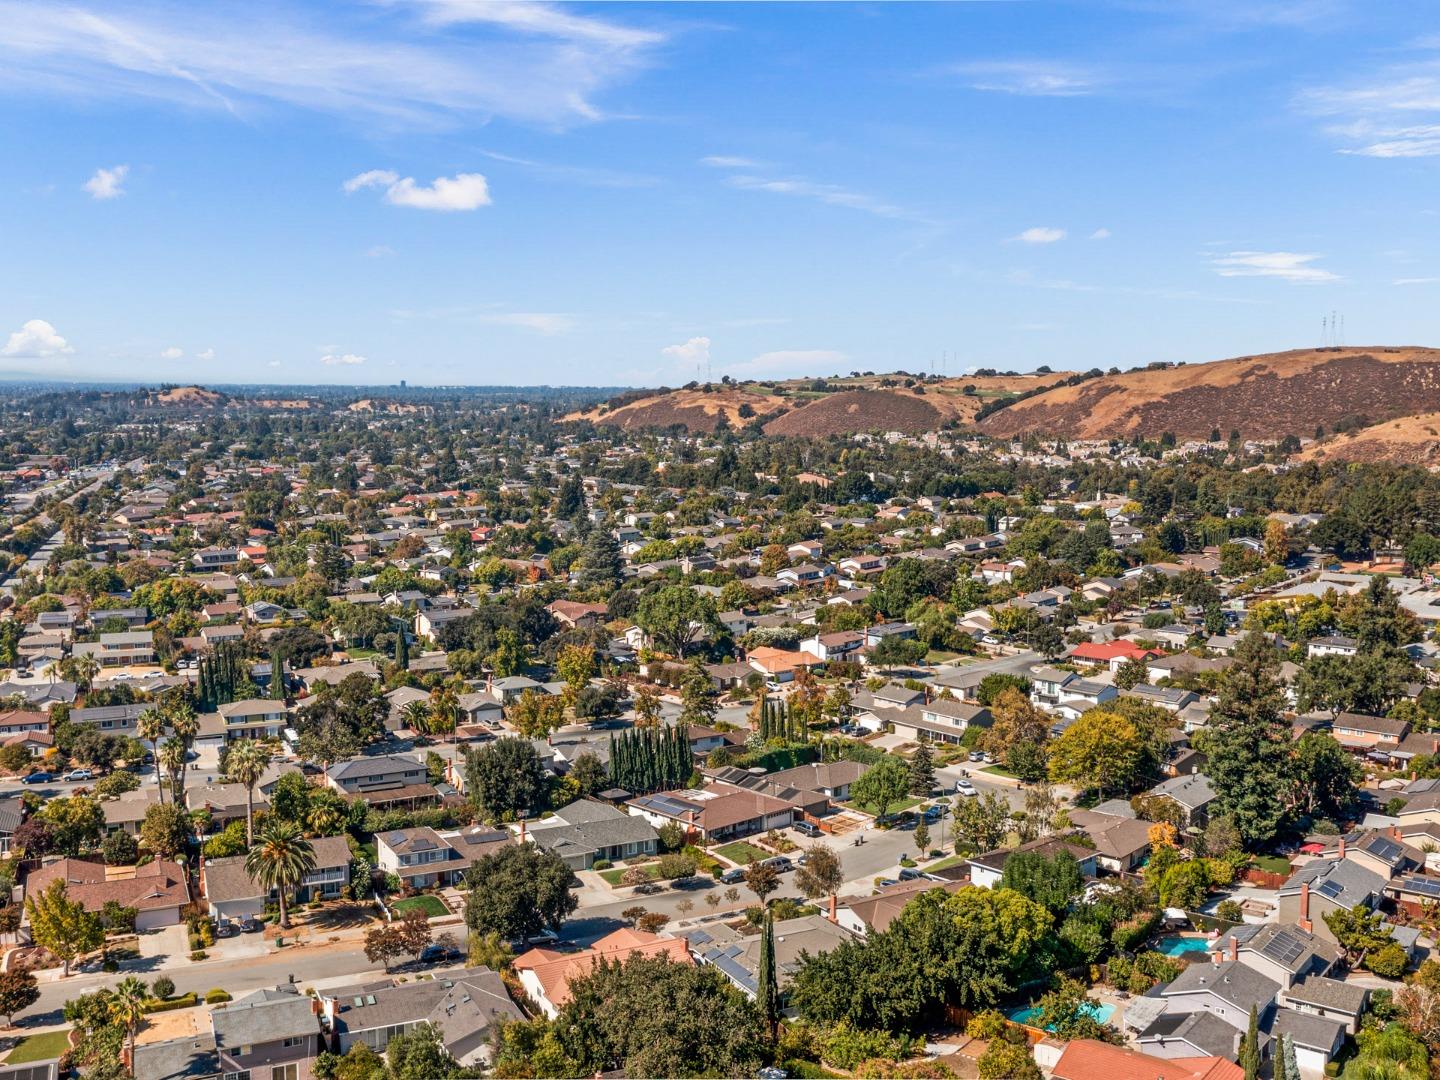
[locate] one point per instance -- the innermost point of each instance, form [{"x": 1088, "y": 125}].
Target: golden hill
[
  {"x": 1407, "y": 440},
  {"x": 816, "y": 407},
  {"x": 189, "y": 397},
  {"x": 1260, "y": 396}
]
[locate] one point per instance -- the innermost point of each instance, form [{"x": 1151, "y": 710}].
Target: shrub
[
  {"x": 199, "y": 954},
  {"x": 987, "y": 1024},
  {"x": 602, "y": 864},
  {"x": 847, "y": 1047},
  {"x": 1229, "y": 910},
  {"x": 676, "y": 867},
  {"x": 1388, "y": 962},
  {"x": 216, "y": 996},
  {"x": 163, "y": 987},
  {"x": 184, "y": 1001}
]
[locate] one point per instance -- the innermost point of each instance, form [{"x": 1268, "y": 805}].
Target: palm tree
[
  {"x": 245, "y": 763},
  {"x": 151, "y": 726},
  {"x": 186, "y": 725},
  {"x": 417, "y": 716},
  {"x": 279, "y": 861},
  {"x": 172, "y": 759},
  {"x": 325, "y": 819},
  {"x": 127, "y": 1008},
  {"x": 86, "y": 668}
]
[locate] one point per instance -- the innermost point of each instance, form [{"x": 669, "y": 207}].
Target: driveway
[{"x": 172, "y": 943}]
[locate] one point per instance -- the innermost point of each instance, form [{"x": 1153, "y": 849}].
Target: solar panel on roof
[
  {"x": 1332, "y": 889},
  {"x": 1424, "y": 886},
  {"x": 1283, "y": 947},
  {"x": 1385, "y": 849}
]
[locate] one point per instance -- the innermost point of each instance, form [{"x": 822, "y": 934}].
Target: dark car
[
  {"x": 251, "y": 925},
  {"x": 37, "y": 778},
  {"x": 807, "y": 829},
  {"x": 733, "y": 877},
  {"x": 909, "y": 873},
  {"x": 225, "y": 928},
  {"x": 436, "y": 953}
]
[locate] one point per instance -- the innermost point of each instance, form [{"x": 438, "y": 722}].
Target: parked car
[
  {"x": 37, "y": 778},
  {"x": 886, "y": 882},
  {"x": 781, "y": 863},
  {"x": 251, "y": 925},
  {"x": 225, "y": 928},
  {"x": 436, "y": 953},
  {"x": 75, "y": 775},
  {"x": 909, "y": 873},
  {"x": 807, "y": 829},
  {"x": 976, "y": 755},
  {"x": 733, "y": 877}
]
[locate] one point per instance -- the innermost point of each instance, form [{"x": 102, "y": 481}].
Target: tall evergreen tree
[
  {"x": 767, "y": 992},
  {"x": 922, "y": 771},
  {"x": 1250, "y": 744},
  {"x": 1249, "y": 1056}
]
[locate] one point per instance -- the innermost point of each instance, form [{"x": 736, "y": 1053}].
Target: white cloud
[
  {"x": 36, "y": 338},
  {"x": 1100, "y": 234},
  {"x": 333, "y": 359},
  {"x": 792, "y": 362},
  {"x": 107, "y": 183},
  {"x": 722, "y": 161},
  {"x": 1030, "y": 78},
  {"x": 1040, "y": 234},
  {"x": 379, "y": 251},
  {"x": 369, "y": 178},
  {"x": 830, "y": 194},
  {"x": 1286, "y": 265},
  {"x": 548, "y": 323},
  {"x": 272, "y": 363},
  {"x": 174, "y": 352},
  {"x": 694, "y": 351},
  {"x": 205, "y": 354},
  {"x": 529, "y": 62},
  {"x": 1390, "y": 113},
  {"x": 1416, "y": 281},
  {"x": 464, "y": 191}
]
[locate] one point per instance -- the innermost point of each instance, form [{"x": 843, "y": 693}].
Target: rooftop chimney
[
  {"x": 1216, "y": 958},
  {"x": 1304, "y": 920},
  {"x": 834, "y": 904},
  {"x": 1342, "y": 847},
  {"x": 1234, "y": 948}
]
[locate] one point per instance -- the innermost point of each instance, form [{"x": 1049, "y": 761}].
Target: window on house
[{"x": 289, "y": 1071}]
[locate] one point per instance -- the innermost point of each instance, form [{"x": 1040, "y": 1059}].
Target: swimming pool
[
  {"x": 1099, "y": 1010},
  {"x": 1179, "y": 946}
]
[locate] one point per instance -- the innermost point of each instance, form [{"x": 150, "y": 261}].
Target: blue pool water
[
  {"x": 1179, "y": 946},
  {"x": 1101, "y": 1011}
]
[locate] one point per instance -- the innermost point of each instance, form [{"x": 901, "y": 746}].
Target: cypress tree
[
  {"x": 767, "y": 992},
  {"x": 1249, "y": 1056},
  {"x": 402, "y": 650}
]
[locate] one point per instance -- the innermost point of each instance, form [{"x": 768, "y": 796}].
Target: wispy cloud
[
  {"x": 107, "y": 183},
  {"x": 529, "y": 62},
  {"x": 1416, "y": 281},
  {"x": 1287, "y": 265},
  {"x": 1040, "y": 234},
  {"x": 341, "y": 359},
  {"x": 1100, "y": 234},
  {"x": 585, "y": 175},
  {"x": 829, "y": 194},
  {"x": 1031, "y": 77},
  {"x": 1028, "y": 280},
  {"x": 1390, "y": 113},
  {"x": 791, "y": 362},
  {"x": 723, "y": 161},
  {"x": 548, "y": 323},
  {"x": 464, "y": 191},
  {"x": 174, "y": 352}
]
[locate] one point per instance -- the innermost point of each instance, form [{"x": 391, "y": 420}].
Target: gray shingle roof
[{"x": 263, "y": 1018}]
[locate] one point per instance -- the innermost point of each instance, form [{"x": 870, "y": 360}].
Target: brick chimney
[
  {"x": 522, "y": 830},
  {"x": 834, "y": 905},
  {"x": 1304, "y": 920},
  {"x": 1216, "y": 958},
  {"x": 1394, "y": 832},
  {"x": 1342, "y": 847},
  {"x": 1234, "y": 948}
]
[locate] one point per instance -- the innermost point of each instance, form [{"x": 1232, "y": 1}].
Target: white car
[{"x": 965, "y": 789}]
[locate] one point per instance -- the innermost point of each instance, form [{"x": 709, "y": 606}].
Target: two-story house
[
  {"x": 252, "y": 718},
  {"x": 384, "y": 779}
]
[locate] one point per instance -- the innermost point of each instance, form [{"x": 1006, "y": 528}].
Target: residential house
[
  {"x": 230, "y": 892},
  {"x": 466, "y": 1011},
  {"x": 1332, "y": 645},
  {"x": 120, "y": 649},
  {"x": 424, "y": 859},
  {"x": 718, "y": 811},
  {"x": 119, "y": 720},
  {"x": 1090, "y": 1059},
  {"x": 862, "y": 915},
  {"x": 157, "y": 890},
  {"x": 988, "y": 868},
  {"x": 1121, "y": 843},
  {"x": 588, "y": 831},
  {"x": 253, "y": 718},
  {"x": 737, "y": 956},
  {"x": 383, "y": 779},
  {"x": 943, "y": 720},
  {"x": 546, "y": 975},
  {"x": 1356, "y": 731},
  {"x": 1192, "y": 793},
  {"x": 1327, "y": 885},
  {"x": 268, "y": 1035}
]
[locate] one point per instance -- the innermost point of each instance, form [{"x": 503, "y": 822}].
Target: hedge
[
  {"x": 184, "y": 1001},
  {"x": 217, "y": 996}
]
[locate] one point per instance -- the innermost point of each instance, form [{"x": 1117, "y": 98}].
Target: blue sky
[{"x": 478, "y": 191}]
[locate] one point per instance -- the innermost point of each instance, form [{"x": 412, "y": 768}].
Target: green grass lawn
[
  {"x": 43, "y": 1047},
  {"x": 1000, "y": 770},
  {"x": 432, "y": 906},
  {"x": 894, "y": 808},
  {"x": 742, "y": 852},
  {"x": 613, "y": 875},
  {"x": 945, "y": 863},
  {"x": 1273, "y": 864}
]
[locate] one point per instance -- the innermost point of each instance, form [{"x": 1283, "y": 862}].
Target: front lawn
[
  {"x": 42, "y": 1047},
  {"x": 432, "y": 906},
  {"x": 945, "y": 863},
  {"x": 1271, "y": 864},
  {"x": 894, "y": 808},
  {"x": 742, "y": 852},
  {"x": 1000, "y": 770},
  {"x": 612, "y": 876}
]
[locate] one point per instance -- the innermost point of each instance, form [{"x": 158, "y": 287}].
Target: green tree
[
  {"x": 75, "y": 822},
  {"x": 535, "y": 715},
  {"x": 505, "y": 779},
  {"x": 675, "y": 616},
  {"x": 517, "y": 892},
  {"x": 821, "y": 875},
  {"x": 698, "y": 703},
  {"x": 1101, "y": 750},
  {"x": 165, "y": 830},
  {"x": 1249, "y": 743},
  {"x": 18, "y": 991},
  {"x": 1051, "y": 882},
  {"x": 1249, "y": 1056},
  {"x": 419, "y": 1054},
  {"x": 767, "y": 993},
  {"x": 600, "y": 564},
  {"x": 922, "y": 771},
  {"x": 884, "y": 784},
  {"x": 279, "y": 861},
  {"x": 127, "y": 1006},
  {"x": 245, "y": 763},
  {"x": 981, "y": 823},
  {"x": 63, "y": 925},
  {"x": 1325, "y": 777}
]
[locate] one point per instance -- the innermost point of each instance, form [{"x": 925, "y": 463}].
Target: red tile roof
[{"x": 1089, "y": 1059}]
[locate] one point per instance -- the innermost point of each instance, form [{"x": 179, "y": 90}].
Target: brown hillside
[
  {"x": 860, "y": 410},
  {"x": 185, "y": 397},
  {"x": 1261, "y": 396},
  {"x": 1408, "y": 440},
  {"x": 846, "y": 405}
]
